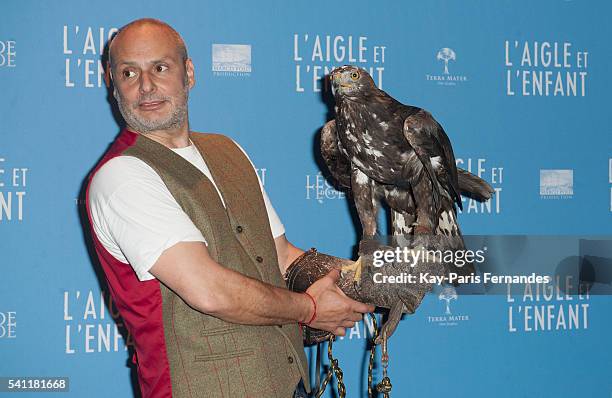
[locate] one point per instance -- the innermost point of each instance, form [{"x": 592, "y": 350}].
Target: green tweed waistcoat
[{"x": 210, "y": 357}]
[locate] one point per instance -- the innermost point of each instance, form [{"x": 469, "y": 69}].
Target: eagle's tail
[{"x": 473, "y": 186}]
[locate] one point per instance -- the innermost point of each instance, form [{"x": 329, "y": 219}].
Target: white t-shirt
[{"x": 135, "y": 216}]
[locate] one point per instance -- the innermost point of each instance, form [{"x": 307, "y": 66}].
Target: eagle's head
[{"x": 351, "y": 82}]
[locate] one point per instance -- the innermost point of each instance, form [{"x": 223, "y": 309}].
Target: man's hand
[{"x": 335, "y": 311}]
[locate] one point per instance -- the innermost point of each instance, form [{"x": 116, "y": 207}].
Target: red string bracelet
[{"x": 314, "y": 313}]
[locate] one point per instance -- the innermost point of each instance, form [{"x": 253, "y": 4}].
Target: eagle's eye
[{"x": 354, "y": 75}]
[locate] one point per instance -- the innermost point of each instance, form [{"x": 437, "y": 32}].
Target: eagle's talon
[{"x": 355, "y": 267}]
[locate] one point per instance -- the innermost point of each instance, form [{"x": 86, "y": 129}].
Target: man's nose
[{"x": 146, "y": 83}]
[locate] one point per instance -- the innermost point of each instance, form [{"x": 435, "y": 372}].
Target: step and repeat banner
[{"x": 521, "y": 88}]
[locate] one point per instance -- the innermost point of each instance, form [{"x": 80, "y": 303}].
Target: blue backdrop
[{"x": 521, "y": 88}]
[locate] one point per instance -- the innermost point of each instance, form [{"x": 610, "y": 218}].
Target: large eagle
[{"x": 380, "y": 149}]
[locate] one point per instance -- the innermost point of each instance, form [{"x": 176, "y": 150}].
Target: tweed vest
[{"x": 206, "y": 356}]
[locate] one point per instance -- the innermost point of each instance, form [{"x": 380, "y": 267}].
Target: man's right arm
[
  {"x": 188, "y": 269},
  {"x": 139, "y": 222}
]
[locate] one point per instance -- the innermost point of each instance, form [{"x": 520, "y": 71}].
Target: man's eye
[
  {"x": 161, "y": 68},
  {"x": 128, "y": 73}
]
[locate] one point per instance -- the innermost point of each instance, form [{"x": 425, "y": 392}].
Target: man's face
[{"x": 151, "y": 81}]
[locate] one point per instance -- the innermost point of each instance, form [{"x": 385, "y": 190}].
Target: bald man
[{"x": 192, "y": 249}]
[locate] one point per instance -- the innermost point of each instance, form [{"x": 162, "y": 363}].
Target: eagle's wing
[
  {"x": 338, "y": 164},
  {"x": 427, "y": 138}
]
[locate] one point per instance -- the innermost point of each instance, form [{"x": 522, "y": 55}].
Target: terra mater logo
[
  {"x": 446, "y": 56},
  {"x": 446, "y": 296}
]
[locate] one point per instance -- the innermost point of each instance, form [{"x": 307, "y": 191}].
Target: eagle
[{"x": 379, "y": 149}]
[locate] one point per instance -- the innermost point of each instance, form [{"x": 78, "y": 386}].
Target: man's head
[{"x": 151, "y": 75}]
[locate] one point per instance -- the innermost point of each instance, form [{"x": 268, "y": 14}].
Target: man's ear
[
  {"x": 189, "y": 69},
  {"x": 108, "y": 75}
]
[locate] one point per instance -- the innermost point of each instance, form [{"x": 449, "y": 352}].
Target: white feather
[
  {"x": 374, "y": 152},
  {"x": 435, "y": 161},
  {"x": 361, "y": 178},
  {"x": 358, "y": 162},
  {"x": 447, "y": 222},
  {"x": 350, "y": 135}
]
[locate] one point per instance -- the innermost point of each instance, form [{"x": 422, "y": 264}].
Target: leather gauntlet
[
  {"x": 374, "y": 283},
  {"x": 306, "y": 270}
]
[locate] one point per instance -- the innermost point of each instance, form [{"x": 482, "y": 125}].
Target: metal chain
[
  {"x": 337, "y": 370},
  {"x": 385, "y": 384},
  {"x": 334, "y": 368},
  {"x": 372, "y": 353}
]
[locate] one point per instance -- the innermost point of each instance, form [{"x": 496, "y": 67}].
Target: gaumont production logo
[
  {"x": 447, "y": 75},
  {"x": 93, "y": 324},
  {"x": 556, "y": 184},
  {"x": 316, "y": 55},
  {"x": 231, "y": 60},
  {"x": 83, "y": 47},
  {"x": 8, "y": 54}
]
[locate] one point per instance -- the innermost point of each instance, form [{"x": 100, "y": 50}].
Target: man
[{"x": 192, "y": 262}]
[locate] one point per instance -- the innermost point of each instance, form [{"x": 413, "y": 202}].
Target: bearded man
[{"x": 192, "y": 249}]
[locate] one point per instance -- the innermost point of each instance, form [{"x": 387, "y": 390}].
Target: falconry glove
[{"x": 373, "y": 280}]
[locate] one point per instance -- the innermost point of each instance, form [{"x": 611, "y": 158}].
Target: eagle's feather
[{"x": 380, "y": 148}]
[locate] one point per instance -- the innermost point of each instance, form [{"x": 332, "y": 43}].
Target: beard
[{"x": 176, "y": 118}]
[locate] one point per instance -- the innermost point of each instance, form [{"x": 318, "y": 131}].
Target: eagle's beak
[{"x": 337, "y": 79}]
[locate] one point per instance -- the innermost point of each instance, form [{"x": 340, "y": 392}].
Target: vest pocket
[
  {"x": 223, "y": 355},
  {"x": 216, "y": 331}
]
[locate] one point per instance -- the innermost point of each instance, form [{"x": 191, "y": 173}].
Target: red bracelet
[{"x": 314, "y": 314}]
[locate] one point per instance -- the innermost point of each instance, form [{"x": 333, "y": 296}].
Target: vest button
[
  {"x": 239, "y": 228},
  {"x": 259, "y": 259},
  {"x": 290, "y": 359}
]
